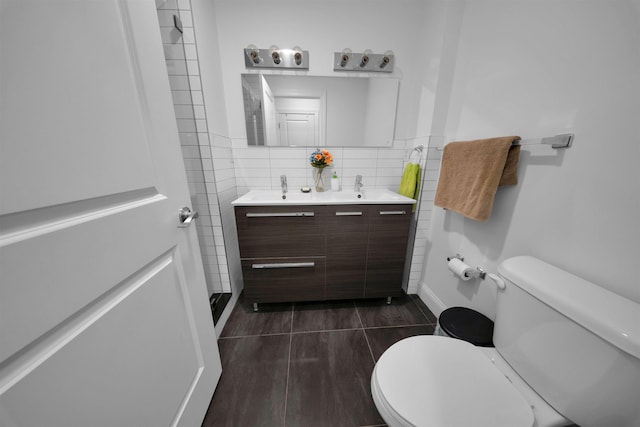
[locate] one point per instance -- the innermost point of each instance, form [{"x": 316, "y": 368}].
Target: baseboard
[
  {"x": 226, "y": 313},
  {"x": 413, "y": 289},
  {"x": 431, "y": 300}
]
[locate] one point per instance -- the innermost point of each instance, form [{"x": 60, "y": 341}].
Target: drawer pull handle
[
  {"x": 393, "y": 212},
  {"x": 285, "y": 265},
  {"x": 278, "y": 214},
  {"x": 348, "y": 213}
]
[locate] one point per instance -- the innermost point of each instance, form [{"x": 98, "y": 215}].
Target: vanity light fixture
[
  {"x": 369, "y": 61},
  {"x": 275, "y": 57}
]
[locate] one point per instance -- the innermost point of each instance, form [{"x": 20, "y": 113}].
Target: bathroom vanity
[{"x": 322, "y": 246}]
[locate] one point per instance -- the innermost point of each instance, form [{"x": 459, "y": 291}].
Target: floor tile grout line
[
  {"x": 275, "y": 334},
  {"x": 364, "y": 332},
  {"x": 326, "y": 330},
  {"x": 286, "y": 389},
  {"x": 400, "y": 326},
  {"x": 358, "y": 314},
  {"x": 366, "y": 338}
]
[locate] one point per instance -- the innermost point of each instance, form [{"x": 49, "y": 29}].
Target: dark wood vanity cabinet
[
  {"x": 387, "y": 248},
  {"x": 306, "y": 253},
  {"x": 347, "y": 240}
]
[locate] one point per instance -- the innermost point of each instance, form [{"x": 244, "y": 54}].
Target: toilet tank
[{"x": 576, "y": 344}]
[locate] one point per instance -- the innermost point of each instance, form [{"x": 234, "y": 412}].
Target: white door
[
  {"x": 104, "y": 317},
  {"x": 298, "y": 129},
  {"x": 269, "y": 114}
]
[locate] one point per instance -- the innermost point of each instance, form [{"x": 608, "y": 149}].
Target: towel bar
[
  {"x": 563, "y": 140},
  {"x": 417, "y": 149}
]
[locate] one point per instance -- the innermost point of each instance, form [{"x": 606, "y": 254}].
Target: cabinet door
[
  {"x": 283, "y": 279},
  {"x": 347, "y": 236},
  {"x": 387, "y": 249},
  {"x": 281, "y": 231}
]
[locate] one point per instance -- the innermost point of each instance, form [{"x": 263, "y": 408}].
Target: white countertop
[{"x": 296, "y": 197}]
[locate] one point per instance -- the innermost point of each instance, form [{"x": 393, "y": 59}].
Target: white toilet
[{"x": 567, "y": 351}]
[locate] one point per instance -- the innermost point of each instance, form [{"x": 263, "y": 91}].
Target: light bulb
[
  {"x": 346, "y": 55},
  {"x": 275, "y": 54},
  {"x": 254, "y": 54},
  {"x": 297, "y": 55},
  {"x": 365, "y": 58},
  {"x": 386, "y": 59}
]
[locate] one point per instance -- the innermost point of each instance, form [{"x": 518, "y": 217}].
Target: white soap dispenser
[{"x": 335, "y": 182}]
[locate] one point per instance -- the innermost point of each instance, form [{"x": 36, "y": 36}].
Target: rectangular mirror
[{"x": 315, "y": 111}]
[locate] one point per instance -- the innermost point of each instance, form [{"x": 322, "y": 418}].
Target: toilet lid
[{"x": 441, "y": 381}]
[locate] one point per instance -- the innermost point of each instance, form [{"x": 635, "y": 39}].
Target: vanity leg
[
  {"x": 389, "y": 300},
  {"x": 255, "y": 306}
]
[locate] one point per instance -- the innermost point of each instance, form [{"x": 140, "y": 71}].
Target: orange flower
[{"x": 320, "y": 158}]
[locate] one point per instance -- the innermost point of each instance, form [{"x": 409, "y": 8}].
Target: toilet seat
[{"x": 432, "y": 381}]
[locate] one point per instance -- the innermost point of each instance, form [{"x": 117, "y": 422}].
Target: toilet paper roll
[{"x": 460, "y": 269}]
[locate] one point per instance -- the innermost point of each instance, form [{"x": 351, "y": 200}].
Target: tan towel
[{"x": 472, "y": 171}]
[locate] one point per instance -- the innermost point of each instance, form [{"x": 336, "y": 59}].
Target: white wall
[
  {"x": 537, "y": 68},
  {"x": 408, "y": 27}
]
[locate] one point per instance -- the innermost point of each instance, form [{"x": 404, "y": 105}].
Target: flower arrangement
[{"x": 320, "y": 158}]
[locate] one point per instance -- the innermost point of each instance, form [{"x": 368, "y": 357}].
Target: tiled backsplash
[{"x": 261, "y": 167}]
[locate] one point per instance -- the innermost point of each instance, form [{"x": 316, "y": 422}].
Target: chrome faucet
[
  {"x": 283, "y": 183},
  {"x": 358, "y": 184}
]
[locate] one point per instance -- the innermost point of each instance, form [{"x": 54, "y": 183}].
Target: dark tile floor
[{"x": 308, "y": 364}]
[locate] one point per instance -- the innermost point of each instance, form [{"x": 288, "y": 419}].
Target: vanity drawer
[
  {"x": 347, "y": 219},
  {"x": 391, "y": 218},
  {"x": 281, "y": 231},
  {"x": 284, "y": 279}
]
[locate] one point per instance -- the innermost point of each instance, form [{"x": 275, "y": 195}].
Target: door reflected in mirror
[{"x": 313, "y": 111}]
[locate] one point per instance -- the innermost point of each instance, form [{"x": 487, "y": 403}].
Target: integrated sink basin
[{"x": 365, "y": 197}]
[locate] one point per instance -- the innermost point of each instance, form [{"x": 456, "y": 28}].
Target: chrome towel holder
[{"x": 563, "y": 140}]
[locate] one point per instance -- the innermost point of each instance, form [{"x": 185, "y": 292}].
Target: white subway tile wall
[
  {"x": 184, "y": 79},
  {"x": 430, "y": 176},
  {"x": 261, "y": 167}
]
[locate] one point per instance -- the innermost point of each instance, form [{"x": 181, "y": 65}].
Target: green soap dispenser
[{"x": 335, "y": 182}]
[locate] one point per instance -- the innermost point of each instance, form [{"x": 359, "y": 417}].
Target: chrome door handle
[{"x": 186, "y": 217}]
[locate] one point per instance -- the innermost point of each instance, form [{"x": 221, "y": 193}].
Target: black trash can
[{"x": 466, "y": 324}]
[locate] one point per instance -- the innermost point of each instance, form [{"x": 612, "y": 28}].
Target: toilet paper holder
[{"x": 478, "y": 272}]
